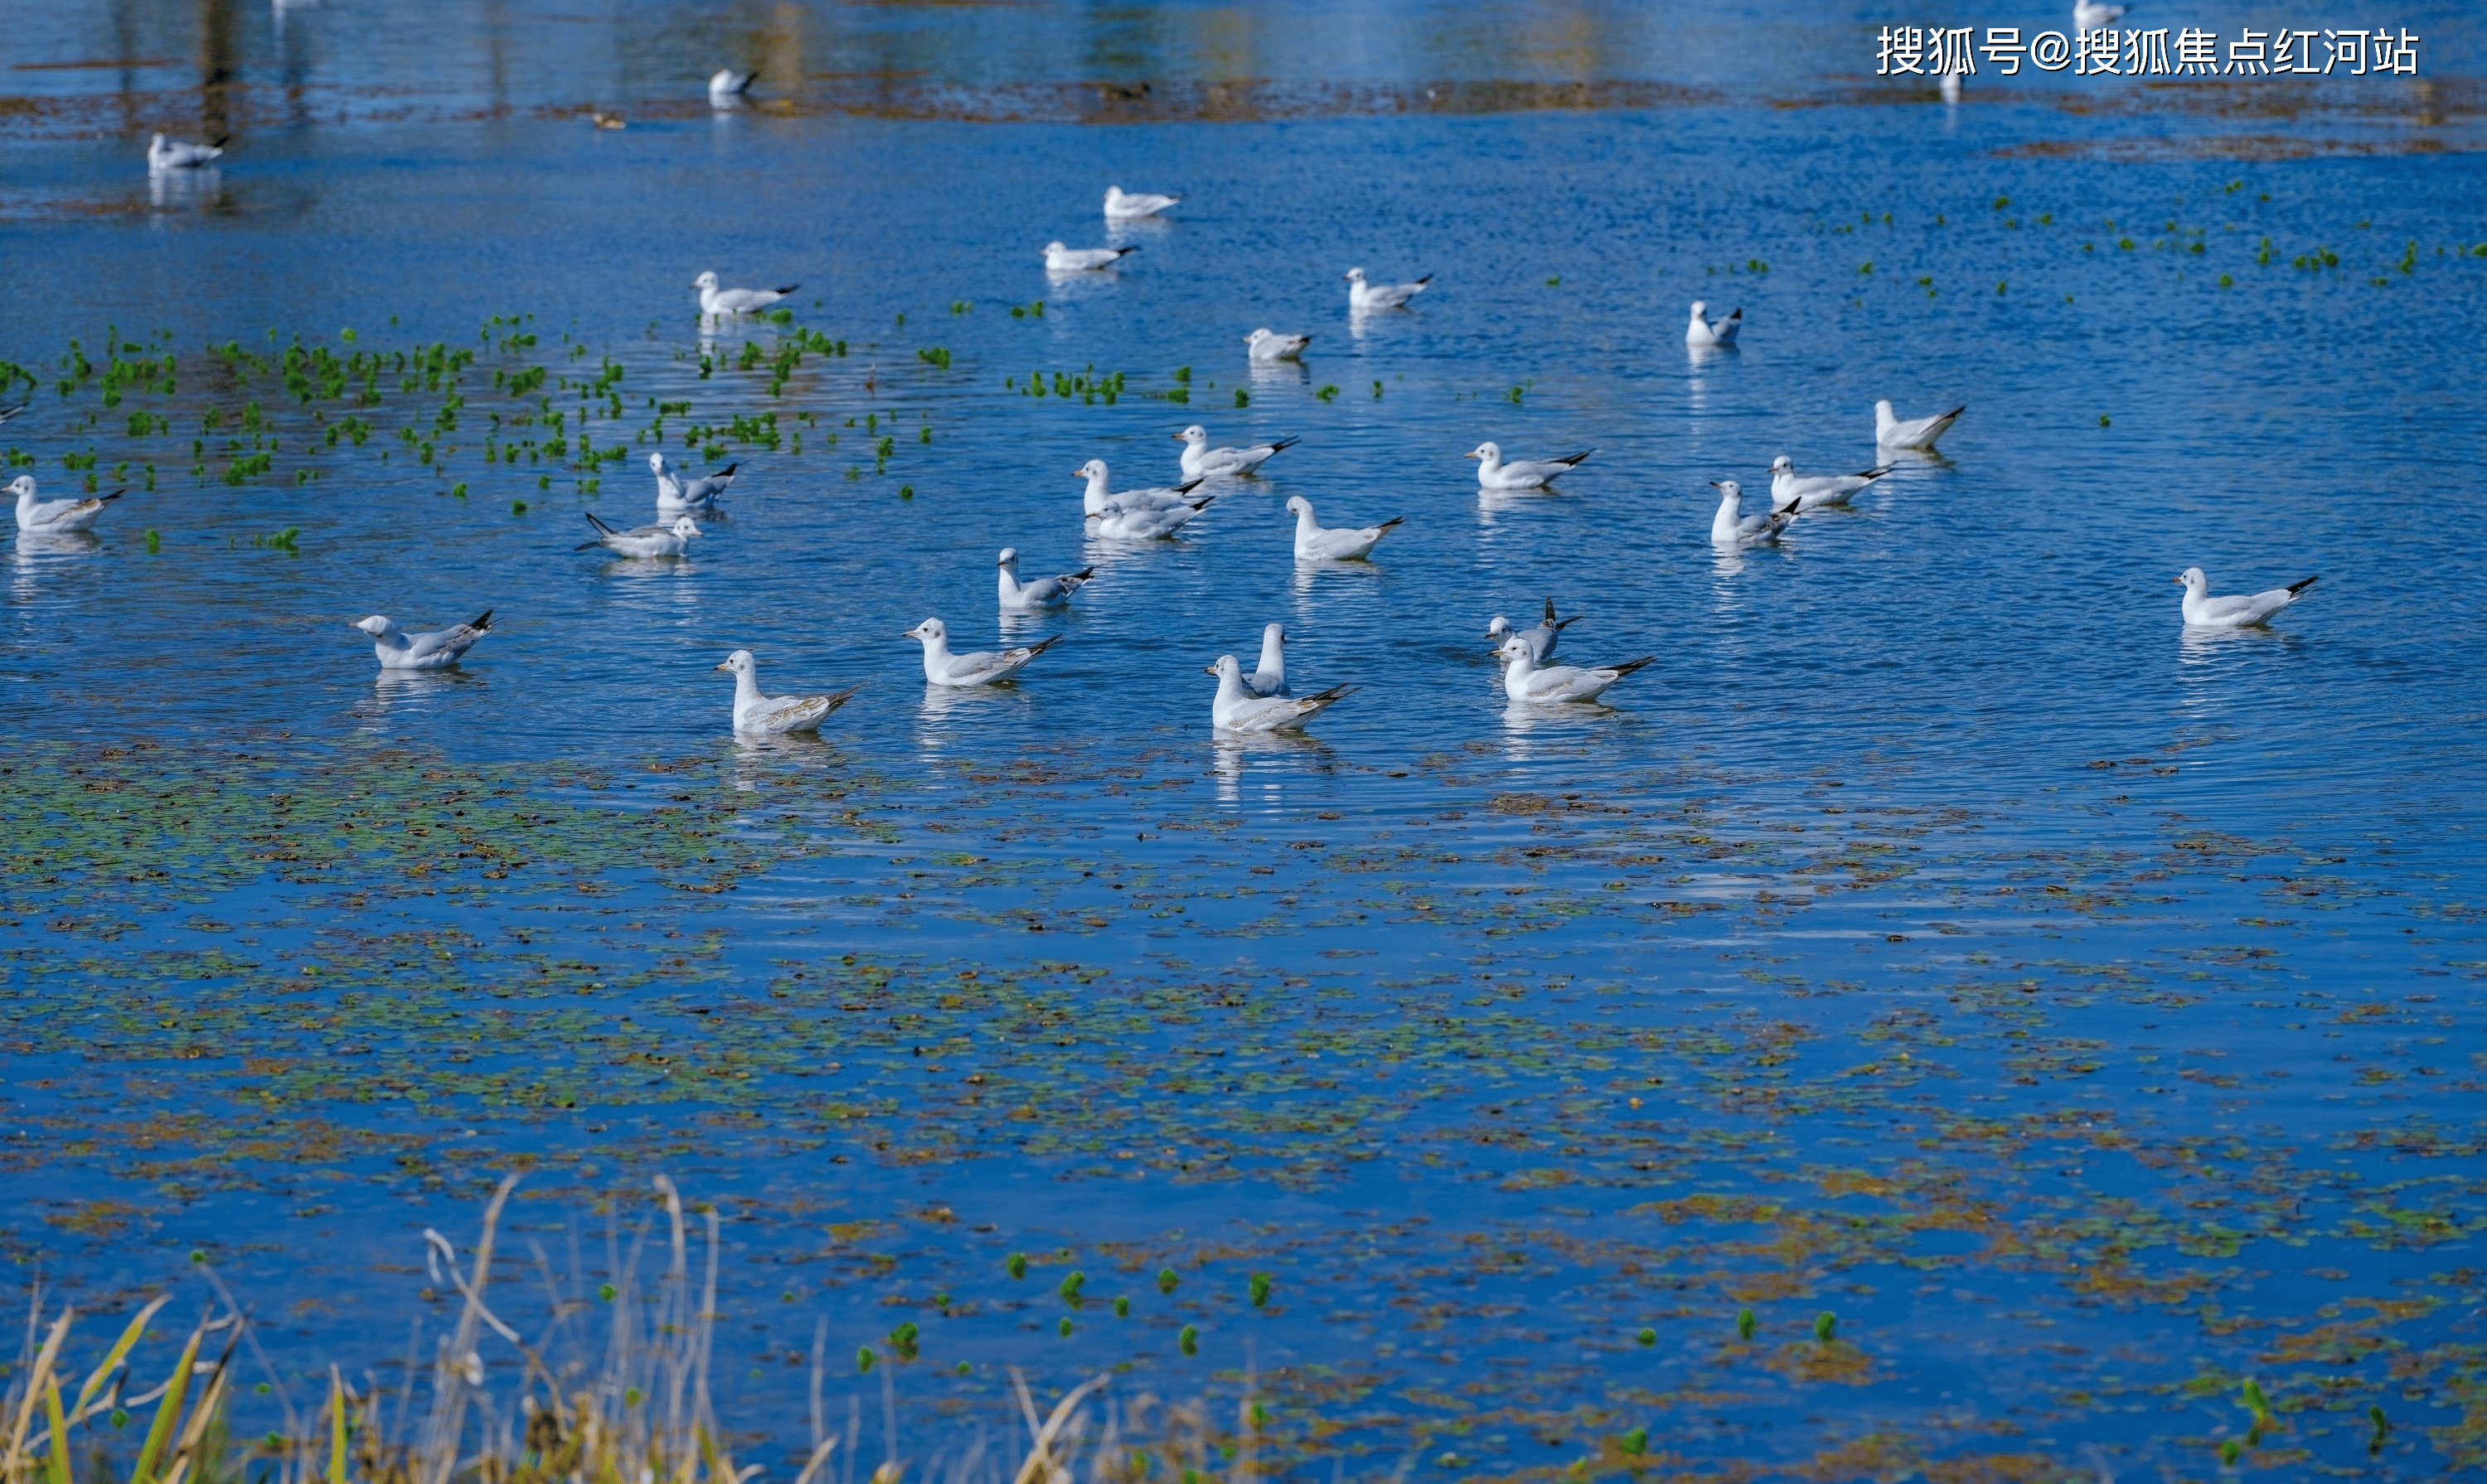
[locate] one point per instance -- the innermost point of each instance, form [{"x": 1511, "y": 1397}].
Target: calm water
[{"x": 2086, "y": 1014}]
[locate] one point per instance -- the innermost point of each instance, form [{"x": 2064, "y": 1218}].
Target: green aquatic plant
[
  {"x": 1745, "y": 1324},
  {"x": 1823, "y": 1325},
  {"x": 1016, "y": 1264},
  {"x": 1258, "y": 1290},
  {"x": 1634, "y": 1442},
  {"x": 1166, "y": 1280},
  {"x": 1187, "y": 1340}
]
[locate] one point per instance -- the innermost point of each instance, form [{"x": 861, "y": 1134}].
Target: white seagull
[
  {"x": 1270, "y": 677},
  {"x": 2236, "y": 611},
  {"x": 1268, "y": 345},
  {"x": 981, "y": 668},
  {"x": 437, "y": 650},
  {"x": 1044, "y": 593},
  {"x": 1539, "y": 640},
  {"x": 776, "y": 714},
  {"x": 1238, "y": 709},
  {"x": 1890, "y": 432},
  {"x": 1368, "y": 297},
  {"x": 643, "y": 540},
  {"x": 1705, "y": 332},
  {"x": 2090, "y": 15},
  {"x": 1812, "y": 492},
  {"x": 1116, "y": 523},
  {"x": 1316, "y": 543},
  {"x": 1731, "y": 527},
  {"x": 1201, "y": 461},
  {"x": 1520, "y": 473},
  {"x": 675, "y": 493},
  {"x": 1525, "y": 679},
  {"x": 1059, "y": 259},
  {"x": 726, "y": 88},
  {"x": 164, "y": 154},
  {"x": 715, "y": 300},
  {"x": 47, "y": 517},
  {"x": 1099, "y": 495},
  {"x": 6, "y": 413},
  {"x": 1124, "y": 205}
]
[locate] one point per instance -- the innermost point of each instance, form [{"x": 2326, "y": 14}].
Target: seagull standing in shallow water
[
  {"x": 1238, "y": 709},
  {"x": 1201, "y": 461},
  {"x": 775, "y": 716},
  {"x": 1493, "y": 473},
  {"x": 1706, "y": 333},
  {"x": 1129, "y": 205},
  {"x": 1365, "y": 296},
  {"x": 1811, "y": 491},
  {"x": 715, "y": 300},
  {"x": 49, "y": 518},
  {"x": 437, "y": 650},
  {"x": 2237, "y": 611},
  {"x": 981, "y": 668},
  {"x": 1044, "y": 593}
]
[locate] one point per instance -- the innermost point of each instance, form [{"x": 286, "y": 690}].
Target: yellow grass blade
[
  {"x": 166, "y": 1412},
  {"x": 57, "y": 1466},
  {"x": 120, "y": 1351},
  {"x": 43, "y": 1361},
  {"x": 336, "y": 1426}
]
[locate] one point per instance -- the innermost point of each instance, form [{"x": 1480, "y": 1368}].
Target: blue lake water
[{"x": 2083, "y": 1012}]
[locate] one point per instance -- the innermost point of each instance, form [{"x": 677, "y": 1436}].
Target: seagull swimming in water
[
  {"x": 1152, "y": 524},
  {"x": 643, "y": 540},
  {"x": 1315, "y": 543},
  {"x": 1044, "y": 593},
  {"x": 2091, "y": 15},
  {"x": 437, "y": 650},
  {"x": 1526, "y": 681},
  {"x": 1270, "y": 678},
  {"x": 1493, "y": 473},
  {"x": 1127, "y": 206},
  {"x": 725, "y": 89},
  {"x": 715, "y": 300},
  {"x": 1731, "y": 527},
  {"x": 1099, "y": 495},
  {"x": 1890, "y": 432},
  {"x": 775, "y": 716},
  {"x": 699, "y": 495},
  {"x": 1362, "y": 295},
  {"x": 1059, "y": 259},
  {"x": 1541, "y": 638},
  {"x": 1201, "y": 461},
  {"x": 1238, "y": 709},
  {"x": 1812, "y": 492},
  {"x": 164, "y": 154},
  {"x": 2237, "y": 611},
  {"x": 1706, "y": 333},
  {"x": 981, "y": 668},
  {"x": 52, "y": 518},
  {"x": 1268, "y": 345}
]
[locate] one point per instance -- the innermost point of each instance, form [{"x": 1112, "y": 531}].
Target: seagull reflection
[
  {"x": 412, "y": 693},
  {"x": 202, "y": 190},
  {"x": 1231, "y": 754},
  {"x": 1267, "y": 375}
]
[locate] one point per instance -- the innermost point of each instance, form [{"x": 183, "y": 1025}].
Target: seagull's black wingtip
[
  {"x": 2295, "y": 588},
  {"x": 483, "y": 621}
]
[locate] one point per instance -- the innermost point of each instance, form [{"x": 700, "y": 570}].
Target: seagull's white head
[
  {"x": 723, "y": 80},
  {"x": 1297, "y": 505},
  {"x": 376, "y": 626},
  {"x": 657, "y": 463},
  {"x": 1113, "y": 193},
  {"x": 1008, "y": 558},
  {"x": 1782, "y": 464},
  {"x": 1498, "y": 629},
  {"x": 1700, "y": 308},
  {"x": 740, "y": 662},
  {"x": 1513, "y": 648},
  {"x": 22, "y": 487},
  {"x": 706, "y": 281},
  {"x": 1196, "y": 434},
  {"x": 1054, "y": 246},
  {"x": 687, "y": 527},
  {"x": 2193, "y": 581},
  {"x": 1226, "y": 668},
  {"x": 930, "y": 632},
  {"x": 1728, "y": 489},
  {"x": 1491, "y": 453},
  {"x": 156, "y": 143},
  {"x": 1354, "y": 275},
  {"x": 1271, "y": 632},
  {"x": 1093, "y": 470},
  {"x": 1882, "y": 409}
]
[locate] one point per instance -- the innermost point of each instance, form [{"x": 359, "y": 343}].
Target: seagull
[
  {"x": 1368, "y": 297},
  {"x": 1116, "y": 523},
  {"x": 776, "y": 714},
  {"x": 1314, "y": 543},
  {"x": 701, "y": 495},
  {"x": 1520, "y": 473},
  {"x": 6, "y": 413},
  {"x": 982, "y": 668},
  {"x": 643, "y": 540},
  {"x": 715, "y": 300},
  {"x": 727, "y": 87},
  {"x": 1950, "y": 87},
  {"x": 1044, "y": 593},
  {"x": 1268, "y": 345},
  {"x": 1098, "y": 496},
  {"x": 1812, "y": 492},
  {"x": 1540, "y": 640},
  {"x": 437, "y": 650},
  {"x": 164, "y": 154},
  {"x": 1732, "y": 528},
  {"x": 1705, "y": 332},
  {"x": 1059, "y": 259},
  {"x": 49, "y": 518},
  {"x": 1270, "y": 678},
  {"x": 602, "y": 120},
  {"x": 1201, "y": 461},
  {"x": 1525, "y": 679},
  {"x": 2090, "y": 15},
  {"x": 1916, "y": 433},
  {"x": 1238, "y": 709},
  {"x": 2239, "y": 611},
  {"x": 1123, "y": 206}
]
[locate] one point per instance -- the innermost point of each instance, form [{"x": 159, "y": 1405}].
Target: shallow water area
[{"x": 2079, "y": 1010}]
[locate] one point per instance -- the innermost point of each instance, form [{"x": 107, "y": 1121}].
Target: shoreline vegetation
[{"x": 565, "y": 1406}]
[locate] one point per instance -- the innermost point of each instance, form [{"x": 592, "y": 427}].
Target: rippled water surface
[{"x": 2083, "y": 1012}]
